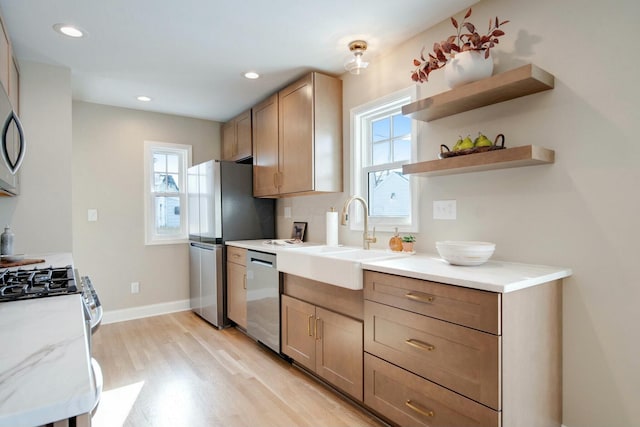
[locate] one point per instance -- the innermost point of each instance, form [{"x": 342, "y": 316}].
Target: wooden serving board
[{"x": 5, "y": 264}]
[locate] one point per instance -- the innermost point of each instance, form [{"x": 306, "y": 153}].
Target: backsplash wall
[{"x": 580, "y": 212}]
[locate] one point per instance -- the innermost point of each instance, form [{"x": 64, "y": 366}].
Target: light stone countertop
[
  {"x": 264, "y": 246},
  {"x": 45, "y": 365},
  {"x": 494, "y": 276}
]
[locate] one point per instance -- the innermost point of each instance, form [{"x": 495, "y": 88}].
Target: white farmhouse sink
[{"x": 335, "y": 265}]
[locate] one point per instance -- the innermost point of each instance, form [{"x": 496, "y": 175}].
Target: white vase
[{"x": 467, "y": 67}]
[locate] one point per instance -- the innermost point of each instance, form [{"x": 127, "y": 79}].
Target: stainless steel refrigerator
[{"x": 221, "y": 208}]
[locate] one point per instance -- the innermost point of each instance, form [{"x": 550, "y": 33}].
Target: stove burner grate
[{"x": 36, "y": 283}]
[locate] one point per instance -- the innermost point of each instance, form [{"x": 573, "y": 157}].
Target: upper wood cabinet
[
  {"x": 236, "y": 138},
  {"x": 14, "y": 86},
  {"x": 5, "y": 55},
  {"x": 9, "y": 75},
  {"x": 306, "y": 157},
  {"x": 265, "y": 147}
]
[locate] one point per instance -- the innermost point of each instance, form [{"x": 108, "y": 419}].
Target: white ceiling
[{"x": 189, "y": 56}]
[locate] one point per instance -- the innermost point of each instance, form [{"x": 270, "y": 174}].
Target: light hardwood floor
[{"x": 177, "y": 370}]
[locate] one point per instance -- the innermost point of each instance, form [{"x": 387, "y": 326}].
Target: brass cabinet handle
[
  {"x": 309, "y": 325},
  {"x": 275, "y": 179},
  {"x": 420, "y": 298},
  {"x": 316, "y": 331},
  {"x": 244, "y": 281},
  {"x": 418, "y": 409},
  {"x": 419, "y": 344}
]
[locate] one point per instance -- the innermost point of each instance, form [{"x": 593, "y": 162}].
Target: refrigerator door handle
[{"x": 201, "y": 246}]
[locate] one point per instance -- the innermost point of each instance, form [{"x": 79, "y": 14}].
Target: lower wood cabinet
[
  {"x": 410, "y": 400},
  {"x": 237, "y": 285},
  {"x": 444, "y": 355},
  {"x": 325, "y": 342}
]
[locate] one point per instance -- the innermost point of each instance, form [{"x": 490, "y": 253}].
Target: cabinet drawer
[
  {"x": 464, "y": 360},
  {"x": 237, "y": 255},
  {"x": 469, "y": 307},
  {"x": 409, "y": 400}
]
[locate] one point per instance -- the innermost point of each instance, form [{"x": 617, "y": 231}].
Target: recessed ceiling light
[
  {"x": 251, "y": 75},
  {"x": 69, "y": 30},
  {"x": 143, "y": 98}
]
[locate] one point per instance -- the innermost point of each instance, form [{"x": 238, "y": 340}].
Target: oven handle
[
  {"x": 96, "y": 320},
  {"x": 99, "y": 383}
]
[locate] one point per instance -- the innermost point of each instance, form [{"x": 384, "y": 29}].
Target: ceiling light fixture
[
  {"x": 356, "y": 64},
  {"x": 251, "y": 75},
  {"x": 69, "y": 30},
  {"x": 143, "y": 98}
]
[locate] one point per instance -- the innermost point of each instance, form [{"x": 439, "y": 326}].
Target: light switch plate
[
  {"x": 92, "y": 215},
  {"x": 444, "y": 209},
  {"x": 287, "y": 211}
]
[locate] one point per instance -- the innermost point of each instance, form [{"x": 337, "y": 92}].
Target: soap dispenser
[{"x": 6, "y": 242}]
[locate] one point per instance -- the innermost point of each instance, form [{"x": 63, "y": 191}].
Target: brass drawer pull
[
  {"x": 309, "y": 325},
  {"x": 244, "y": 281},
  {"x": 418, "y": 409},
  {"x": 419, "y": 344},
  {"x": 420, "y": 298}
]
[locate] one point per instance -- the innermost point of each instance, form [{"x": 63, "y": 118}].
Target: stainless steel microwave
[{"x": 12, "y": 146}]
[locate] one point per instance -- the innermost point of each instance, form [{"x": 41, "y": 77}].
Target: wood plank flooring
[{"x": 177, "y": 370}]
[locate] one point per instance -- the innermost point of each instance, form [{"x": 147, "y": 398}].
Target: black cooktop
[{"x": 36, "y": 283}]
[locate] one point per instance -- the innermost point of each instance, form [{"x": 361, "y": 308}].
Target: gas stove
[{"x": 23, "y": 284}]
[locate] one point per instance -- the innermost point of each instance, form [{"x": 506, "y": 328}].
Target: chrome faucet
[{"x": 366, "y": 239}]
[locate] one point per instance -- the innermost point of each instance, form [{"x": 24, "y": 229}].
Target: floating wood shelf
[
  {"x": 527, "y": 155},
  {"x": 511, "y": 84}
]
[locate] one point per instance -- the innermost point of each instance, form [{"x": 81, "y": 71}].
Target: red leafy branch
[{"x": 459, "y": 42}]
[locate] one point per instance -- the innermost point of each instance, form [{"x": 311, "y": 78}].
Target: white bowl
[{"x": 465, "y": 253}]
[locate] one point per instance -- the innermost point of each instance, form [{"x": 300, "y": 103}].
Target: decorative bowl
[{"x": 465, "y": 252}]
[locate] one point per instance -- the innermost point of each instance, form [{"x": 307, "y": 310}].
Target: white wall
[
  {"x": 41, "y": 215},
  {"x": 108, "y": 176},
  {"x": 581, "y": 212}
]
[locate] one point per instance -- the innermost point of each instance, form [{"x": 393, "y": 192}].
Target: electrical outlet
[
  {"x": 92, "y": 215},
  {"x": 135, "y": 287},
  {"x": 444, "y": 209}
]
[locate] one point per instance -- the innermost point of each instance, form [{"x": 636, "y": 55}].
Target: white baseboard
[{"x": 114, "y": 316}]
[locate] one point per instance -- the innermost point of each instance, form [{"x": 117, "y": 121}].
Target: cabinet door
[
  {"x": 339, "y": 351},
  {"x": 14, "y": 86},
  {"x": 228, "y": 140},
  {"x": 243, "y": 136},
  {"x": 296, "y": 137},
  {"x": 237, "y": 293},
  {"x": 298, "y": 331},
  {"x": 265, "y": 147},
  {"x": 5, "y": 57}
]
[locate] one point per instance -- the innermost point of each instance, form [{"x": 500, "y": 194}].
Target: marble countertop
[
  {"x": 45, "y": 365},
  {"x": 264, "y": 245},
  {"x": 494, "y": 276}
]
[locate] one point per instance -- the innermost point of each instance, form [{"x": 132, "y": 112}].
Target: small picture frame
[{"x": 298, "y": 229}]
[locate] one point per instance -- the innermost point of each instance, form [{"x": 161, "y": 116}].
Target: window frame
[
  {"x": 360, "y": 117},
  {"x": 185, "y": 153}
]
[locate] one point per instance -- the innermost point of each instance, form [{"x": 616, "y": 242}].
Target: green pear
[
  {"x": 482, "y": 141},
  {"x": 458, "y": 143},
  {"x": 467, "y": 143}
]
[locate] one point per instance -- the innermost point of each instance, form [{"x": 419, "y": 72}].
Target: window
[
  {"x": 384, "y": 140},
  {"x": 165, "y": 170}
]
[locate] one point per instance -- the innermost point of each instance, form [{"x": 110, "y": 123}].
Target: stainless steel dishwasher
[{"x": 263, "y": 299}]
